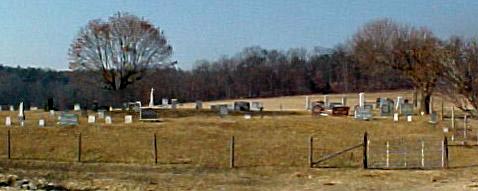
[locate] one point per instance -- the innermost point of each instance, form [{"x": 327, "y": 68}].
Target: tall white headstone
[
  {"x": 151, "y": 98},
  {"x": 11, "y": 108},
  {"x": 41, "y": 123},
  {"x": 21, "y": 113},
  {"x": 399, "y": 102},
  {"x": 361, "y": 99},
  {"x": 307, "y": 103},
  {"x": 326, "y": 101},
  {"x": 409, "y": 118},
  {"x": 8, "y": 121},
  {"x": 128, "y": 119}
]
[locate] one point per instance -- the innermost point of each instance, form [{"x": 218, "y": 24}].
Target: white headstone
[
  {"x": 445, "y": 130},
  {"x": 101, "y": 114},
  {"x": 91, "y": 119},
  {"x": 395, "y": 117},
  {"x": 8, "y": 121},
  {"x": 361, "y": 99},
  {"x": 33, "y": 108},
  {"x": 307, "y": 103},
  {"x": 399, "y": 102},
  {"x": 111, "y": 108},
  {"x": 77, "y": 107},
  {"x": 21, "y": 113},
  {"x": 247, "y": 116},
  {"x": 11, "y": 108},
  {"x": 108, "y": 120},
  {"x": 41, "y": 123},
  {"x": 22, "y": 123},
  {"x": 164, "y": 101},
  {"x": 326, "y": 101},
  {"x": 344, "y": 101},
  {"x": 409, "y": 118},
  {"x": 151, "y": 98},
  {"x": 52, "y": 112},
  {"x": 128, "y": 119}
]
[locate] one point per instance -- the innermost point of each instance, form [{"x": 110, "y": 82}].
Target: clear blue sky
[{"x": 38, "y": 32}]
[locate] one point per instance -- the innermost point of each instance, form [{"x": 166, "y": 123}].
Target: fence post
[
  {"x": 465, "y": 126},
  {"x": 387, "y": 159},
  {"x": 453, "y": 117},
  {"x": 445, "y": 143},
  {"x": 442, "y": 108},
  {"x": 231, "y": 152},
  {"x": 79, "y": 148},
  {"x": 423, "y": 154},
  {"x": 8, "y": 145},
  {"x": 365, "y": 150},
  {"x": 311, "y": 149},
  {"x": 155, "y": 149}
]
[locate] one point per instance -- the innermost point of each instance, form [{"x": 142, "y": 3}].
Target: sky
[{"x": 38, "y": 33}]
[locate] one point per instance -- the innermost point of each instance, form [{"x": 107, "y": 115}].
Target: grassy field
[{"x": 193, "y": 148}]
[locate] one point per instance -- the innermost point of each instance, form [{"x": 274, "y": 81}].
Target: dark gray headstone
[
  {"x": 68, "y": 119},
  {"x": 149, "y": 114},
  {"x": 406, "y": 109},
  {"x": 386, "y": 107},
  {"x": 242, "y": 106},
  {"x": 363, "y": 113}
]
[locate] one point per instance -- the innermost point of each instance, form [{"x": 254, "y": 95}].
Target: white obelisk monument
[{"x": 151, "y": 98}]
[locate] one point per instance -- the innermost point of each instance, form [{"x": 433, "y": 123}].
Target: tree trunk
[{"x": 425, "y": 102}]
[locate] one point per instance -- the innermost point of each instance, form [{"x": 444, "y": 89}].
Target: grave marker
[
  {"x": 67, "y": 119},
  {"x": 395, "y": 117},
  {"x": 340, "y": 111},
  {"x": 52, "y": 112},
  {"x": 12, "y": 108},
  {"x": 307, "y": 103},
  {"x": 8, "y": 121},
  {"x": 409, "y": 118},
  {"x": 77, "y": 107},
  {"x": 223, "y": 111},
  {"x": 108, "y": 120},
  {"x": 128, "y": 119},
  {"x": 364, "y": 112},
  {"x": 101, "y": 113},
  {"x": 257, "y": 106},
  {"x": 242, "y": 106},
  {"x": 386, "y": 107},
  {"x": 326, "y": 101},
  {"x": 174, "y": 103},
  {"x": 148, "y": 114},
  {"x": 433, "y": 118},
  {"x": 361, "y": 99},
  {"x": 344, "y": 101},
  {"x": 151, "y": 98},
  {"x": 164, "y": 101},
  {"x": 41, "y": 123},
  {"x": 91, "y": 119},
  {"x": 406, "y": 109},
  {"x": 198, "y": 104}
]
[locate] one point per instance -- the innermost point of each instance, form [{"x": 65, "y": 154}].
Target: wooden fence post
[
  {"x": 231, "y": 153},
  {"x": 445, "y": 143},
  {"x": 442, "y": 110},
  {"x": 311, "y": 149},
  {"x": 365, "y": 150},
  {"x": 453, "y": 117},
  {"x": 155, "y": 149},
  {"x": 79, "y": 148},
  {"x": 8, "y": 145}
]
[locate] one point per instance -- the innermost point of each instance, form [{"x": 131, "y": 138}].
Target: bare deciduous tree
[
  {"x": 416, "y": 53},
  {"x": 121, "y": 49},
  {"x": 461, "y": 72}
]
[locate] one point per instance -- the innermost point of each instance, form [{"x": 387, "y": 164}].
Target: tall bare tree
[
  {"x": 416, "y": 53},
  {"x": 461, "y": 72},
  {"x": 121, "y": 49}
]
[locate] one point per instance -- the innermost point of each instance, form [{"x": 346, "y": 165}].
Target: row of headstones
[
  {"x": 69, "y": 121},
  {"x": 12, "y": 108}
]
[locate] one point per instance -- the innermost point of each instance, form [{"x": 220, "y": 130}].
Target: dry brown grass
[{"x": 271, "y": 152}]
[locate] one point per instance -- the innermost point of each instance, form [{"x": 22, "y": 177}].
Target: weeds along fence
[
  {"x": 226, "y": 151},
  {"x": 206, "y": 150}
]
